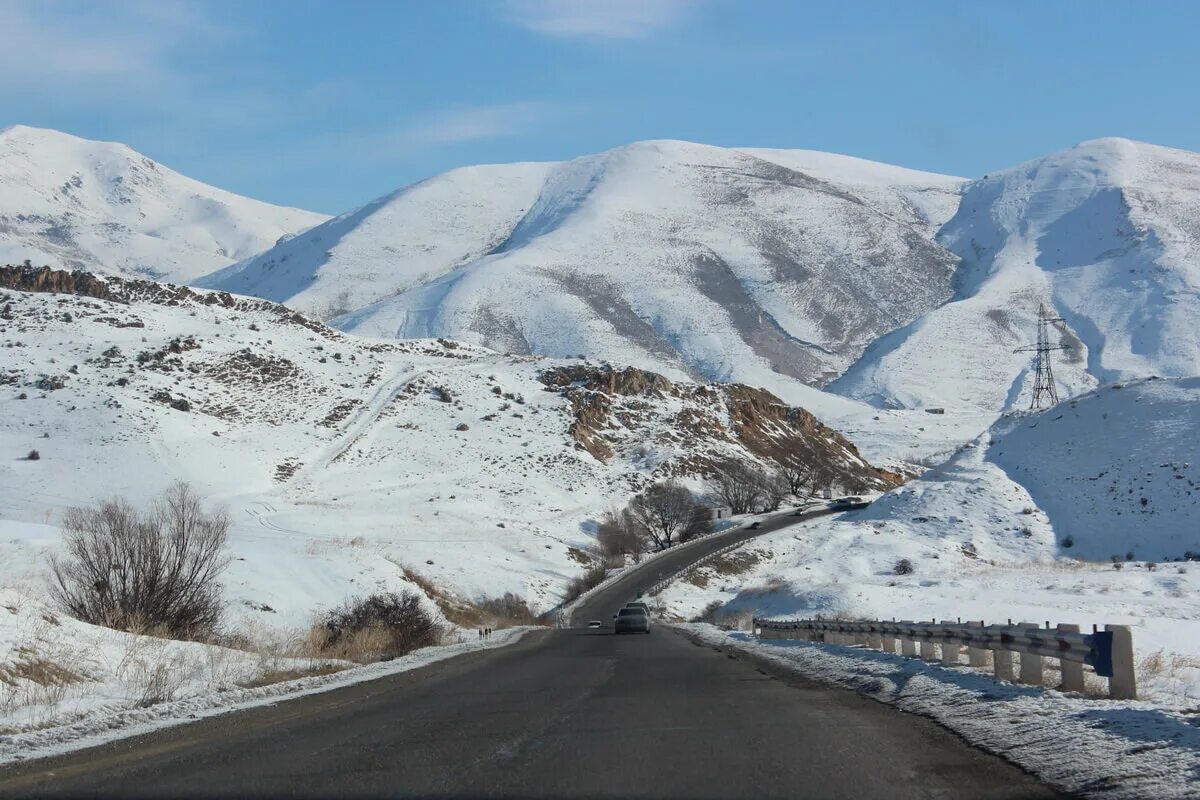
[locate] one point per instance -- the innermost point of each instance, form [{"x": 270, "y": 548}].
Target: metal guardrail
[
  {"x": 679, "y": 573},
  {"x": 1108, "y": 652}
]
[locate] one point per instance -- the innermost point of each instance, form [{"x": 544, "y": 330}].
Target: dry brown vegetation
[{"x": 133, "y": 571}]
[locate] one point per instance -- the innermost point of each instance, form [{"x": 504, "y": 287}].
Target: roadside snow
[
  {"x": 107, "y": 724},
  {"x": 1096, "y": 748}
]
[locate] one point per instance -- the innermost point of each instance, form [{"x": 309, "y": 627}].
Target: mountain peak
[{"x": 78, "y": 203}]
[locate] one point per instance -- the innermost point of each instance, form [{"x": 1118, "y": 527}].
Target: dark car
[{"x": 631, "y": 620}]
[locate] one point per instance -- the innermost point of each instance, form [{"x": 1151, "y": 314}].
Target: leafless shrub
[
  {"x": 590, "y": 579},
  {"x": 903, "y": 567},
  {"x": 134, "y": 571},
  {"x": 335, "y": 307},
  {"x": 33, "y": 455},
  {"x": 509, "y": 609},
  {"x": 618, "y": 533},
  {"x": 383, "y": 625}
]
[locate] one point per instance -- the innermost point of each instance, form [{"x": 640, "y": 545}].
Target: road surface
[{"x": 570, "y": 713}]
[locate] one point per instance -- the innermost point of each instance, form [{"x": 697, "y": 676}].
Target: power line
[{"x": 1045, "y": 394}]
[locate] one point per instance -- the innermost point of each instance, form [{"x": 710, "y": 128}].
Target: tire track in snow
[{"x": 389, "y": 387}]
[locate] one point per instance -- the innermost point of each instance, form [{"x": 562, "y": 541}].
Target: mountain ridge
[{"x": 75, "y": 203}]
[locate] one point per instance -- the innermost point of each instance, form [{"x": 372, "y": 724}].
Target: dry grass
[{"x": 281, "y": 675}]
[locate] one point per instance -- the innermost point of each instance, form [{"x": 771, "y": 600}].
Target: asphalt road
[
  {"x": 571, "y": 713},
  {"x": 601, "y": 604}
]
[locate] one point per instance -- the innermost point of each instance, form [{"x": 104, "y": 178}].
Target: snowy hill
[
  {"x": 700, "y": 261},
  {"x": 75, "y": 203},
  {"x": 1108, "y": 233},
  {"x": 346, "y": 463},
  {"x": 996, "y": 532}
]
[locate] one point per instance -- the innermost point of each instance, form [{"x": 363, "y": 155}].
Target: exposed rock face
[
  {"x": 25, "y": 278},
  {"x": 56, "y": 281},
  {"x": 612, "y": 411}
]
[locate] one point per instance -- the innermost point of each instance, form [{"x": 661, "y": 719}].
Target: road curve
[
  {"x": 602, "y": 603},
  {"x": 570, "y": 713}
]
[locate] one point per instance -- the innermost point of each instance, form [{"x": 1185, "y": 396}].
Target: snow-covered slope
[
  {"x": 74, "y": 203},
  {"x": 998, "y": 531},
  {"x": 694, "y": 260},
  {"x": 346, "y": 463},
  {"x": 1108, "y": 233}
]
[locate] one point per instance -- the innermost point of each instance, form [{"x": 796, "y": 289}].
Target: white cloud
[
  {"x": 597, "y": 19},
  {"x": 474, "y": 123},
  {"x": 112, "y": 46}
]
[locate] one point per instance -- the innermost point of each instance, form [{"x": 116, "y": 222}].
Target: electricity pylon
[{"x": 1044, "y": 392}]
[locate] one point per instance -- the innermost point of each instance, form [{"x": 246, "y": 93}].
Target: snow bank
[
  {"x": 987, "y": 533},
  {"x": 103, "y": 724},
  {"x": 1096, "y": 748}
]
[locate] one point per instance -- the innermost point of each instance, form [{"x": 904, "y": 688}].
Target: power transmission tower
[{"x": 1044, "y": 392}]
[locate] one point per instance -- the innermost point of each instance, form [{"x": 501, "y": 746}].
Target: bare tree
[
  {"x": 664, "y": 511},
  {"x": 335, "y": 307},
  {"x": 797, "y": 476},
  {"x": 738, "y": 486},
  {"x": 619, "y": 533},
  {"x": 773, "y": 488},
  {"x": 700, "y": 523},
  {"x": 134, "y": 571}
]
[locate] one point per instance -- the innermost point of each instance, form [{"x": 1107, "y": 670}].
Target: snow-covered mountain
[
  {"x": 727, "y": 264},
  {"x": 904, "y": 289},
  {"x": 1107, "y": 233},
  {"x": 74, "y": 203},
  {"x": 478, "y": 471}
]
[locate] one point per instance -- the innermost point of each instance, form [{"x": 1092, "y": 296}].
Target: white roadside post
[
  {"x": 950, "y": 650},
  {"x": 1123, "y": 683},
  {"x": 908, "y": 647},
  {"x": 1002, "y": 663},
  {"x": 977, "y": 656},
  {"x": 1031, "y": 665},
  {"x": 1072, "y": 671},
  {"x": 928, "y": 650}
]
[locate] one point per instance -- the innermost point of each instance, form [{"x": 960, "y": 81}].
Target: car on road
[
  {"x": 847, "y": 501},
  {"x": 631, "y": 620},
  {"x": 639, "y": 604},
  {"x": 595, "y": 624},
  {"x": 755, "y": 525}
]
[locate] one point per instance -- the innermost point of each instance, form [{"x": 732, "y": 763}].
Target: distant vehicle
[
  {"x": 595, "y": 623},
  {"x": 632, "y": 620},
  {"x": 755, "y": 525},
  {"x": 847, "y": 501},
  {"x": 639, "y": 604}
]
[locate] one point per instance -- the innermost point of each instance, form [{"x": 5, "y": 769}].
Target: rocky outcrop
[
  {"x": 621, "y": 409},
  {"x": 26, "y": 278},
  {"x": 57, "y": 281}
]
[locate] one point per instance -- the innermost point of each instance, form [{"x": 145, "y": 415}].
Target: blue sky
[{"x": 326, "y": 105}]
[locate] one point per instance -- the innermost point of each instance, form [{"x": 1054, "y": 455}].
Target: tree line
[{"x": 667, "y": 513}]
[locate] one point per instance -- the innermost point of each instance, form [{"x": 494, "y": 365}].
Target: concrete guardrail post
[
  {"x": 1072, "y": 671},
  {"x": 908, "y": 647},
  {"x": 928, "y": 650},
  {"x": 977, "y": 656},
  {"x": 950, "y": 651},
  {"x": 1123, "y": 683},
  {"x": 1002, "y": 665},
  {"x": 1031, "y": 665}
]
